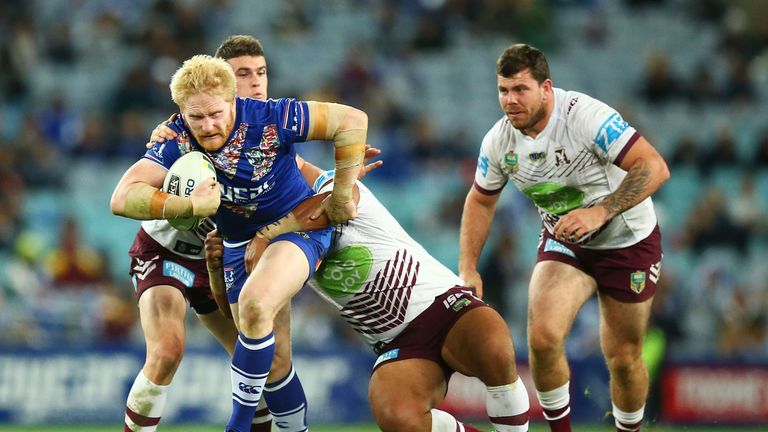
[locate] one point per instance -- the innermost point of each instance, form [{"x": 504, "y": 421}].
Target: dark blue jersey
[{"x": 260, "y": 181}]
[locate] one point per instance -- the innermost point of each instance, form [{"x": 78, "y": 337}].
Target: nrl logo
[
  {"x": 510, "y": 163},
  {"x": 637, "y": 281}
]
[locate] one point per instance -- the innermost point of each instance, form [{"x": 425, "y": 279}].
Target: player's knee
[
  {"x": 254, "y": 311},
  {"x": 625, "y": 360},
  {"x": 498, "y": 365},
  {"x": 164, "y": 359},
  {"x": 543, "y": 341},
  {"x": 401, "y": 417}
]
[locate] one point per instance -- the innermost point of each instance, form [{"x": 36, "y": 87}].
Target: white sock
[
  {"x": 554, "y": 400},
  {"x": 508, "y": 406},
  {"x": 628, "y": 421},
  {"x": 145, "y": 404},
  {"x": 444, "y": 422}
]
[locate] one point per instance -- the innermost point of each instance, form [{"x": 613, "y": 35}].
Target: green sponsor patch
[
  {"x": 344, "y": 272},
  {"x": 555, "y": 198}
]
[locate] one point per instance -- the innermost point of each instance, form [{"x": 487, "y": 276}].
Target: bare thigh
[
  {"x": 623, "y": 326},
  {"x": 491, "y": 357}
]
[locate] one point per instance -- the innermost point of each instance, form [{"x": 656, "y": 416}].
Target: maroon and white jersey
[
  {"x": 188, "y": 244},
  {"x": 572, "y": 163},
  {"x": 378, "y": 277}
]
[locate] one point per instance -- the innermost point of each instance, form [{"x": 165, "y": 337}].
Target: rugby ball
[{"x": 182, "y": 178}]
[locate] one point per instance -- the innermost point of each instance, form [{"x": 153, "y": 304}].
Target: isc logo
[{"x": 245, "y": 388}]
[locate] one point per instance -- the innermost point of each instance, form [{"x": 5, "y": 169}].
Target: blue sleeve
[
  {"x": 166, "y": 153},
  {"x": 292, "y": 120}
]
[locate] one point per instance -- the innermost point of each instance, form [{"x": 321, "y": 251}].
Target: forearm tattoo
[{"x": 633, "y": 189}]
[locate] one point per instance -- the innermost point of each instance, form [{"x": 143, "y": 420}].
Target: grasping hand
[{"x": 579, "y": 223}]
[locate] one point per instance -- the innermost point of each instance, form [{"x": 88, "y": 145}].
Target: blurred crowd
[{"x": 85, "y": 81}]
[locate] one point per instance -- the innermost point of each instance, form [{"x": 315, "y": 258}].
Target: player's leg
[
  {"x": 162, "y": 309},
  {"x": 622, "y": 330},
  {"x": 222, "y": 328},
  {"x": 403, "y": 393},
  {"x": 556, "y": 294},
  {"x": 283, "y": 392},
  {"x": 492, "y": 360},
  {"x": 268, "y": 288}
]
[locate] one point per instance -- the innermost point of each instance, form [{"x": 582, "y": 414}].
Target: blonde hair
[{"x": 203, "y": 74}]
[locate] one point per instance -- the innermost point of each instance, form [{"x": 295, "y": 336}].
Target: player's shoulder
[
  {"x": 500, "y": 133},
  {"x": 574, "y": 104}
]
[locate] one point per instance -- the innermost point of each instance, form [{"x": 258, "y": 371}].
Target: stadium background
[{"x": 83, "y": 82}]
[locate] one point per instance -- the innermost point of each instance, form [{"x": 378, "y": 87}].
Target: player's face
[
  {"x": 524, "y": 100},
  {"x": 251, "y": 74},
  {"x": 210, "y": 118}
]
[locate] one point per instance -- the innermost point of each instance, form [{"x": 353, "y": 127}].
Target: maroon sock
[
  {"x": 468, "y": 428},
  {"x": 140, "y": 420},
  {"x": 563, "y": 419},
  {"x": 628, "y": 427},
  {"x": 262, "y": 427}
]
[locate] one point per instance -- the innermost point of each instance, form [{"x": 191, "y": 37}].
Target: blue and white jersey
[{"x": 260, "y": 181}]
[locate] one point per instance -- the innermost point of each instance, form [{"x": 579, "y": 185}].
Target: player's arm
[
  {"x": 214, "y": 252},
  {"x": 138, "y": 195},
  {"x": 347, "y": 127},
  {"x": 646, "y": 171},
  {"x": 476, "y": 220}
]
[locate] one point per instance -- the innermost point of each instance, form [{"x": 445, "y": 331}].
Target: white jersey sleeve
[
  {"x": 599, "y": 125},
  {"x": 490, "y": 176}
]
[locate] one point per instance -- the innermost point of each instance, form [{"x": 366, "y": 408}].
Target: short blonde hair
[{"x": 203, "y": 74}]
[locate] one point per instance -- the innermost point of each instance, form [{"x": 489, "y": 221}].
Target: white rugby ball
[{"x": 182, "y": 178}]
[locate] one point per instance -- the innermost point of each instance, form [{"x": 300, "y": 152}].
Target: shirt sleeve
[
  {"x": 293, "y": 120},
  {"x": 601, "y": 128},
  {"x": 166, "y": 153},
  {"x": 489, "y": 177}
]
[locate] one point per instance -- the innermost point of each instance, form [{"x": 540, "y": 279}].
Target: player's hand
[
  {"x": 162, "y": 132},
  {"x": 579, "y": 223},
  {"x": 254, "y": 251},
  {"x": 338, "y": 212},
  {"x": 370, "y": 153},
  {"x": 214, "y": 250},
  {"x": 472, "y": 279},
  {"x": 206, "y": 198},
  {"x": 309, "y": 207}
]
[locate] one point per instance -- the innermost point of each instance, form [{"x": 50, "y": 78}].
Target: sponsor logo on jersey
[
  {"x": 240, "y": 195},
  {"x": 510, "y": 163},
  {"x": 178, "y": 272},
  {"x": 637, "y": 281},
  {"x": 537, "y": 156},
  {"x": 556, "y": 246},
  {"x": 389, "y": 355},
  {"x": 561, "y": 157},
  {"x": 610, "y": 131},
  {"x": 482, "y": 165},
  {"x": 344, "y": 272},
  {"x": 554, "y": 197},
  {"x": 229, "y": 277},
  {"x": 571, "y": 104}
]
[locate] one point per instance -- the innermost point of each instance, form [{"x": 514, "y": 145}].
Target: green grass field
[{"x": 370, "y": 428}]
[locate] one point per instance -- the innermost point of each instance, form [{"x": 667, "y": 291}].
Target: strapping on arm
[
  {"x": 347, "y": 127},
  {"x": 147, "y": 202}
]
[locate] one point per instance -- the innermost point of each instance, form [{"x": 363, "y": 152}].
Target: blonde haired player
[{"x": 252, "y": 146}]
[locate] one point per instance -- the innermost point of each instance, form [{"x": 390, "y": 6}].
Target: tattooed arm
[{"x": 646, "y": 171}]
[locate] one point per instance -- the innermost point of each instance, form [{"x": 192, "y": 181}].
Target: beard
[{"x": 536, "y": 117}]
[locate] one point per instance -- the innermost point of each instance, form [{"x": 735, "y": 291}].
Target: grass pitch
[{"x": 371, "y": 428}]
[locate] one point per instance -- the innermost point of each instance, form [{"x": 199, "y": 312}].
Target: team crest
[
  {"x": 561, "y": 157},
  {"x": 510, "y": 163},
  {"x": 637, "y": 281}
]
